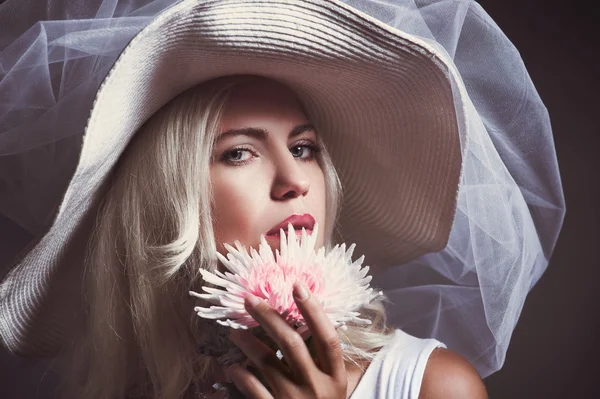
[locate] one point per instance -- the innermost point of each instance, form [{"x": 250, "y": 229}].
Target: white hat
[
  {"x": 381, "y": 99},
  {"x": 510, "y": 204}
]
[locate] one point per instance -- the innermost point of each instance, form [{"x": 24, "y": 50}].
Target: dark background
[{"x": 554, "y": 351}]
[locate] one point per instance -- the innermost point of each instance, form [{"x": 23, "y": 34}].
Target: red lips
[{"x": 298, "y": 221}]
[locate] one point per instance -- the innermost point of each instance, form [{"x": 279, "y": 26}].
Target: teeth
[{"x": 297, "y": 230}]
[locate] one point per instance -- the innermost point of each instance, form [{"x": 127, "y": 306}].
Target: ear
[{"x": 448, "y": 375}]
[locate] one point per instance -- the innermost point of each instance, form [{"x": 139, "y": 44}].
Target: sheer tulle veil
[{"x": 55, "y": 54}]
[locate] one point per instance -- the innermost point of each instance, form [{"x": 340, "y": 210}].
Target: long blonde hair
[{"x": 153, "y": 234}]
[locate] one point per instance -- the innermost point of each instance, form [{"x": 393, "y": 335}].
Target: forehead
[{"x": 262, "y": 102}]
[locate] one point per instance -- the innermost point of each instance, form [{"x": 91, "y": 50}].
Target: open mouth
[
  {"x": 298, "y": 222},
  {"x": 285, "y": 231}
]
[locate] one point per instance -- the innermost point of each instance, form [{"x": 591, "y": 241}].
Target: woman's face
[{"x": 264, "y": 167}]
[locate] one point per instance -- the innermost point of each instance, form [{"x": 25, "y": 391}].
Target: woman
[
  {"x": 256, "y": 181},
  {"x": 135, "y": 334}
]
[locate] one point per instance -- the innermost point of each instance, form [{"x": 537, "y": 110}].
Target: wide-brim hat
[{"x": 387, "y": 105}]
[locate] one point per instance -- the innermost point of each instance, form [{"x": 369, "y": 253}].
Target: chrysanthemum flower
[{"x": 341, "y": 286}]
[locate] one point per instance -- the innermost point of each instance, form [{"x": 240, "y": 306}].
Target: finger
[
  {"x": 247, "y": 382},
  {"x": 324, "y": 335},
  {"x": 290, "y": 343},
  {"x": 263, "y": 357}
]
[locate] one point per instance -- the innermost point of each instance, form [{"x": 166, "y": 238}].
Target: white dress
[{"x": 397, "y": 370}]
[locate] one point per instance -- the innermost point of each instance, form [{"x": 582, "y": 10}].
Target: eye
[
  {"x": 237, "y": 156},
  {"x": 305, "y": 151}
]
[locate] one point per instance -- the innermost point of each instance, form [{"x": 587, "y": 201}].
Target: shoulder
[{"x": 448, "y": 375}]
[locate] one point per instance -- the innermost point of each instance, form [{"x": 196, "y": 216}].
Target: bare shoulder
[{"x": 448, "y": 375}]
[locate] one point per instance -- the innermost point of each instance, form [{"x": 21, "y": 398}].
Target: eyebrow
[{"x": 262, "y": 134}]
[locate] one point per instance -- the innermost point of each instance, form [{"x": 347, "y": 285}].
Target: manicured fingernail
[
  {"x": 300, "y": 290},
  {"x": 251, "y": 300}
]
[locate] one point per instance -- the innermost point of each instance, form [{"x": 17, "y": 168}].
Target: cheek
[
  {"x": 319, "y": 191},
  {"x": 318, "y": 202},
  {"x": 236, "y": 201}
]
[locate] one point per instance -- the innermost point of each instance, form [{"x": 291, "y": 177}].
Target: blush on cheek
[{"x": 231, "y": 222}]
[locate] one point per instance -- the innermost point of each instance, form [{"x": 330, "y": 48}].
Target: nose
[{"x": 290, "y": 181}]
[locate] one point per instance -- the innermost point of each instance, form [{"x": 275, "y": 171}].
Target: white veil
[{"x": 510, "y": 204}]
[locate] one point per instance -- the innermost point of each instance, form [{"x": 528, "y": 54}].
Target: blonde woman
[
  {"x": 243, "y": 149},
  {"x": 227, "y": 120}
]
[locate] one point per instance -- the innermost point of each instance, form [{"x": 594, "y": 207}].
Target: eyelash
[{"x": 314, "y": 148}]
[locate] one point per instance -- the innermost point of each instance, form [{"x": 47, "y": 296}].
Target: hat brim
[{"x": 381, "y": 99}]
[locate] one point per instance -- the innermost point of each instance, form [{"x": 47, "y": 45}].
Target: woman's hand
[{"x": 300, "y": 376}]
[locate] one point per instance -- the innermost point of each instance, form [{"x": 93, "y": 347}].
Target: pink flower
[{"x": 342, "y": 286}]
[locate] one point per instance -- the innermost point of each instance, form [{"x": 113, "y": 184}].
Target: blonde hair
[{"x": 153, "y": 234}]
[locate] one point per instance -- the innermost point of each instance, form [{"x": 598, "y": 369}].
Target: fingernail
[
  {"x": 300, "y": 290},
  {"x": 251, "y": 300}
]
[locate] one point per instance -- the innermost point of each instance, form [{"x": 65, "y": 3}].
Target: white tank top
[{"x": 397, "y": 370}]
